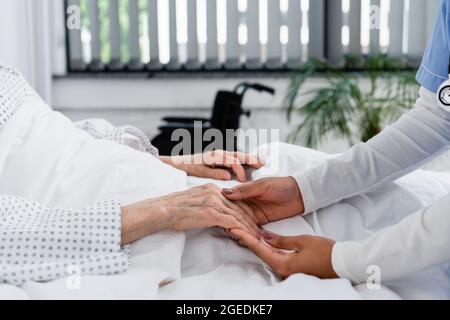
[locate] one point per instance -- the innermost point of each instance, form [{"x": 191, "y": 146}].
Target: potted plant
[{"x": 355, "y": 103}]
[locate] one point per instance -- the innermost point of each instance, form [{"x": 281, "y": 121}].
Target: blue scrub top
[{"x": 435, "y": 63}]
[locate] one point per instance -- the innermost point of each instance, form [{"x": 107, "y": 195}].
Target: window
[{"x": 167, "y": 35}]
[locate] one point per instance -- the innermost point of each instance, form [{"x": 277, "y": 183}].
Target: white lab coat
[{"x": 419, "y": 241}]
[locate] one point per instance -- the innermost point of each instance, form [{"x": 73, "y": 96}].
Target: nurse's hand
[
  {"x": 219, "y": 165},
  {"x": 307, "y": 254},
  {"x": 269, "y": 199}
]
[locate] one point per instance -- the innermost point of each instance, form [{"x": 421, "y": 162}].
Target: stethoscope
[{"x": 444, "y": 94}]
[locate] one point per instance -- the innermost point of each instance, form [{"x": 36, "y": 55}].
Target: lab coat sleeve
[
  {"x": 126, "y": 135},
  {"x": 420, "y": 241},
  {"x": 416, "y": 138},
  {"x": 40, "y": 244}
]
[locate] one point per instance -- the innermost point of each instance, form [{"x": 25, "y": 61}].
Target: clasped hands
[
  {"x": 242, "y": 211},
  {"x": 273, "y": 199}
]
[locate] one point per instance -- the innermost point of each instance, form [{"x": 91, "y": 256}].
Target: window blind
[{"x": 178, "y": 35}]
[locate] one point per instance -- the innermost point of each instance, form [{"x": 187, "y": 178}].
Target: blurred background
[{"x": 342, "y": 69}]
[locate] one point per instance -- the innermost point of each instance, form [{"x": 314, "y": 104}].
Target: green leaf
[{"x": 345, "y": 100}]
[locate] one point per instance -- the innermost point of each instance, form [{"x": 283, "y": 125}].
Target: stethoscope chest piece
[{"x": 444, "y": 95}]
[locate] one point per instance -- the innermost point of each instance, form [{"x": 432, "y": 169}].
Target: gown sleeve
[
  {"x": 126, "y": 135},
  {"x": 40, "y": 244}
]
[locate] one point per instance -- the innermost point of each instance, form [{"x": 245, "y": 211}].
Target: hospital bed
[{"x": 201, "y": 264}]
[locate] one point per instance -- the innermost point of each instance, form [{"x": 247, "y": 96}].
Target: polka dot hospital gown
[{"x": 39, "y": 243}]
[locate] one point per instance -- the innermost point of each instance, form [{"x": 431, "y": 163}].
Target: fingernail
[
  {"x": 228, "y": 191},
  {"x": 267, "y": 235}
]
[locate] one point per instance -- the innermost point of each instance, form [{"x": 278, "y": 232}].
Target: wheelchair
[{"x": 226, "y": 114}]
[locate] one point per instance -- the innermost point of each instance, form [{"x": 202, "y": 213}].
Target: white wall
[
  {"x": 14, "y": 48},
  {"x": 144, "y": 102},
  {"x": 25, "y": 41},
  {"x": 163, "y": 92}
]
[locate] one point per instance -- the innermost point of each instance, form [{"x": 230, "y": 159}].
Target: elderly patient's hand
[
  {"x": 269, "y": 199},
  {"x": 204, "y": 207},
  {"x": 199, "y": 207},
  {"x": 215, "y": 164},
  {"x": 307, "y": 254}
]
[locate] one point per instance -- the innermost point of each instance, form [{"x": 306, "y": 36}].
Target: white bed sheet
[{"x": 70, "y": 169}]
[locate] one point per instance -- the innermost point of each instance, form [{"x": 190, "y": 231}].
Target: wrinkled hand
[
  {"x": 204, "y": 207},
  {"x": 269, "y": 199},
  {"x": 309, "y": 254},
  {"x": 200, "y": 207},
  {"x": 217, "y": 165}
]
